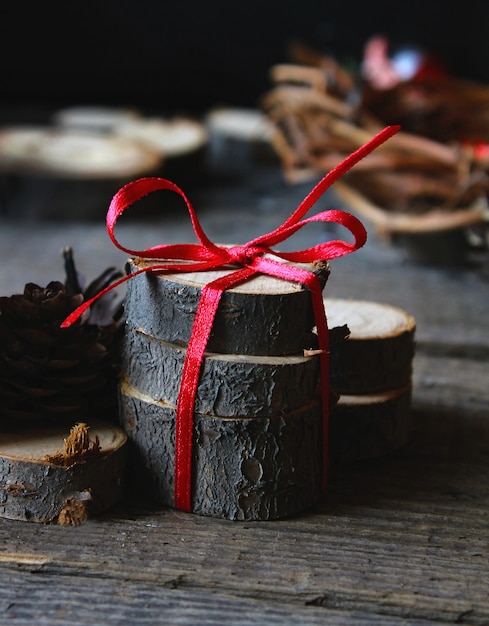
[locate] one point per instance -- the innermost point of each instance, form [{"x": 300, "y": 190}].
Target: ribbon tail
[
  {"x": 78, "y": 312},
  {"x": 339, "y": 170},
  {"x": 201, "y": 330},
  {"x": 202, "y": 327},
  {"x": 327, "y": 181}
]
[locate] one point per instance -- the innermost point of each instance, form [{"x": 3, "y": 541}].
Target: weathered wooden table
[{"x": 400, "y": 540}]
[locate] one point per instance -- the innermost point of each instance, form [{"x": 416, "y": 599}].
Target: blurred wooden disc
[
  {"x": 169, "y": 137},
  {"x": 95, "y": 118},
  {"x": 66, "y": 153},
  {"x": 239, "y": 123}
]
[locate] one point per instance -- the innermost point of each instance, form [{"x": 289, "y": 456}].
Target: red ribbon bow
[{"x": 251, "y": 259}]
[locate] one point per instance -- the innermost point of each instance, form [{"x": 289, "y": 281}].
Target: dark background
[{"x": 189, "y": 56}]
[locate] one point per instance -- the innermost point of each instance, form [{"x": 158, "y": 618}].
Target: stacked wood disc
[
  {"x": 257, "y": 416},
  {"x": 371, "y": 370}
]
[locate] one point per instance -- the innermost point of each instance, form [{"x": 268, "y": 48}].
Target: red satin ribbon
[{"x": 251, "y": 260}]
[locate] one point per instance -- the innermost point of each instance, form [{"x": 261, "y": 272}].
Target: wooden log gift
[
  {"x": 377, "y": 355},
  {"x": 252, "y": 468},
  {"x": 264, "y": 316},
  {"x": 49, "y": 474},
  {"x": 257, "y": 451},
  {"x": 230, "y": 385}
]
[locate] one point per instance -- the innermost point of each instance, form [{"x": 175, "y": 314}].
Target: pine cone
[{"x": 50, "y": 373}]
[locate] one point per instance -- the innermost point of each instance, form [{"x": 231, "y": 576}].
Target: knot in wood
[{"x": 244, "y": 255}]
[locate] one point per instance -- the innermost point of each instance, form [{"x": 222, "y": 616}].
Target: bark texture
[
  {"x": 244, "y": 469},
  {"x": 229, "y": 385},
  {"x": 265, "y": 316}
]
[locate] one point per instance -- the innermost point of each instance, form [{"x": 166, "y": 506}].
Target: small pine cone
[{"x": 50, "y": 373}]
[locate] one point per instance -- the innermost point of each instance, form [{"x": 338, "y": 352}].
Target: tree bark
[
  {"x": 230, "y": 385},
  {"x": 258, "y": 468},
  {"x": 264, "y": 316},
  {"x": 37, "y": 485}
]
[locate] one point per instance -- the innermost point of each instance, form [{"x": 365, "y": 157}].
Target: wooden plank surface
[
  {"x": 403, "y": 539},
  {"x": 399, "y": 540}
]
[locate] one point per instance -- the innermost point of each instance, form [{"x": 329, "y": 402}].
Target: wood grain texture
[
  {"x": 402, "y": 540},
  {"x": 277, "y": 320},
  {"x": 258, "y": 468},
  {"x": 145, "y": 602}
]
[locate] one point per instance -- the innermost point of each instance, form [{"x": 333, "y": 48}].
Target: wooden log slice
[
  {"x": 102, "y": 119},
  {"x": 239, "y": 123},
  {"x": 238, "y": 139},
  {"x": 230, "y": 385},
  {"x": 170, "y": 137},
  {"x": 263, "y": 316},
  {"x": 64, "y": 153},
  {"x": 182, "y": 142},
  {"x": 378, "y": 353},
  {"x": 40, "y": 483},
  {"x": 244, "y": 469},
  {"x": 369, "y": 426},
  {"x": 57, "y": 172}
]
